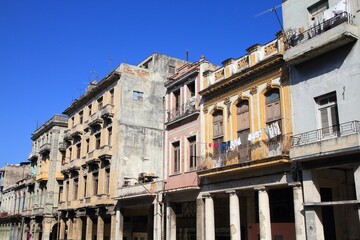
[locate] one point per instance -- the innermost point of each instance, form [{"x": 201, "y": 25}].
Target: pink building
[{"x": 182, "y": 149}]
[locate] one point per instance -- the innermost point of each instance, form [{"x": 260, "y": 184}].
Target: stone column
[
  {"x": 119, "y": 228},
  {"x": 157, "y": 219},
  {"x": 314, "y": 227},
  {"x": 170, "y": 222},
  {"x": 78, "y": 231},
  {"x": 100, "y": 228},
  {"x": 264, "y": 214},
  {"x": 200, "y": 219},
  {"x": 62, "y": 229},
  {"x": 235, "y": 227},
  {"x": 299, "y": 211},
  {"x": 89, "y": 227},
  {"x": 209, "y": 218},
  {"x": 357, "y": 185}
]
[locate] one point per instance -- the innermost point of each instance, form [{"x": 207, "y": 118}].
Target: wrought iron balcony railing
[
  {"x": 294, "y": 38},
  {"x": 185, "y": 109},
  {"x": 246, "y": 153},
  {"x": 321, "y": 134}
]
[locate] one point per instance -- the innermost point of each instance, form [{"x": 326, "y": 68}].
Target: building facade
[
  {"x": 323, "y": 58},
  {"x": 247, "y": 183},
  {"x": 113, "y": 165},
  {"x": 182, "y": 149},
  {"x": 13, "y": 193},
  {"x": 45, "y": 184}
]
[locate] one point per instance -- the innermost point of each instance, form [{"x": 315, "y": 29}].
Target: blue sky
[{"x": 51, "y": 49}]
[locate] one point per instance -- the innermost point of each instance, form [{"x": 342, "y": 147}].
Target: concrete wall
[{"x": 335, "y": 71}]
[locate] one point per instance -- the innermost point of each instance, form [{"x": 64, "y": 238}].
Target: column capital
[
  {"x": 206, "y": 195},
  {"x": 261, "y": 188},
  {"x": 295, "y": 184},
  {"x": 231, "y": 192}
]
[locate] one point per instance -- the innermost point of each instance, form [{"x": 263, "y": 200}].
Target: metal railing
[
  {"x": 321, "y": 134},
  {"x": 293, "y": 39},
  {"x": 185, "y": 109},
  {"x": 247, "y": 152}
]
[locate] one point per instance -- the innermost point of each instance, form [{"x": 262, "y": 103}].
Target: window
[
  {"x": 76, "y": 188},
  {"x": 192, "y": 153},
  {"x": 243, "y": 129},
  {"x": 70, "y": 153},
  {"x": 109, "y": 136},
  {"x": 61, "y": 193},
  {"x": 81, "y": 117},
  {"x": 97, "y": 140},
  {"x": 327, "y": 107},
  {"x": 138, "y": 96},
  {"x": 111, "y": 96},
  {"x": 107, "y": 180},
  {"x": 87, "y": 142},
  {"x": 90, "y": 109},
  {"x": 100, "y": 103},
  {"x": 177, "y": 100},
  {"x": 171, "y": 69},
  {"x": 95, "y": 183},
  {"x": 191, "y": 88},
  {"x": 273, "y": 112},
  {"x": 67, "y": 191},
  {"x": 176, "y": 156},
  {"x": 78, "y": 150},
  {"x": 72, "y": 122},
  {"x": 317, "y": 9},
  {"x": 85, "y": 185},
  {"x": 217, "y": 132}
]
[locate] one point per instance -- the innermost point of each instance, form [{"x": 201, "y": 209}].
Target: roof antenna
[
  {"x": 187, "y": 55},
  {"x": 273, "y": 9}
]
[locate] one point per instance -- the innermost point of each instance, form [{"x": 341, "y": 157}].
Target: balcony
[
  {"x": 38, "y": 211},
  {"x": 62, "y": 146},
  {"x": 95, "y": 119},
  {"x": 107, "y": 111},
  {"x": 330, "y": 34},
  {"x": 259, "y": 154},
  {"x": 33, "y": 156},
  {"x": 140, "y": 189},
  {"x": 326, "y": 141},
  {"x": 46, "y": 147},
  {"x": 72, "y": 165},
  {"x": 105, "y": 152},
  {"x": 42, "y": 176},
  {"x": 67, "y": 135},
  {"x": 93, "y": 156},
  {"x": 77, "y": 130},
  {"x": 190, "y": 108}
]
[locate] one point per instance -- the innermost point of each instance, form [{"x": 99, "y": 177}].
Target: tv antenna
[{"x": 273, "y": 9}]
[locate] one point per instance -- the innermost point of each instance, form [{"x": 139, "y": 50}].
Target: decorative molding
[
  {"x": 219, "y": 74},
  {"x": 269, "y": 84},
  {"x": 205, "y": 110},
  {"x": 253, "y": 90},
  {"x": 244, "y": 62},
  {"x": 271, "y": 48}
]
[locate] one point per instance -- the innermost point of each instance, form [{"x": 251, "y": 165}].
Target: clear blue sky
[{"x": 51, "y": 49}]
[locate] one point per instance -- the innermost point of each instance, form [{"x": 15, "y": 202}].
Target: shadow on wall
[{"x": 321, "y": 65}]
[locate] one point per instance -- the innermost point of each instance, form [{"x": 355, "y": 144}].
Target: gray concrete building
[
  {"x": 113, "y": 165},
  {"x": 324, "y": 64}
]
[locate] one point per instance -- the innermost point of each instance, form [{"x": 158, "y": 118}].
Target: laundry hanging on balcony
[
  {"x": 272, "y": 130},
  {"x": 234, "y": 143},
  {"x": 254, "y": 136}
]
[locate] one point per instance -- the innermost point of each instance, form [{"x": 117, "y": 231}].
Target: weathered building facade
[
  {"x": 323, "y": 60},
  {"x": 45, "y": 186},
  {"x": 182, "y": 149},
  {"x": 13, "y": 193},
  {"x": 114, "y": 149},
  {"x": 247, "y": 184}
]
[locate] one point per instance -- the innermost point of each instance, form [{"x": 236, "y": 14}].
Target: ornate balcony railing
[
  {"x": 321, "y": 134},
  {"x": 246, "y": 153},
  {"x": 185, "y": 109},
  {"x": 294, "y": 38}
]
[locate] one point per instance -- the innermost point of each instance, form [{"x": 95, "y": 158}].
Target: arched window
[
  {"x": 217, "y": 131},
  {"x": 273, "y": 114},
  {"x": 243, "y": 129}
]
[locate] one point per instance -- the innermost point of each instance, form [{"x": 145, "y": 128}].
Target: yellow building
[{"x": 246, "y": 131}]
